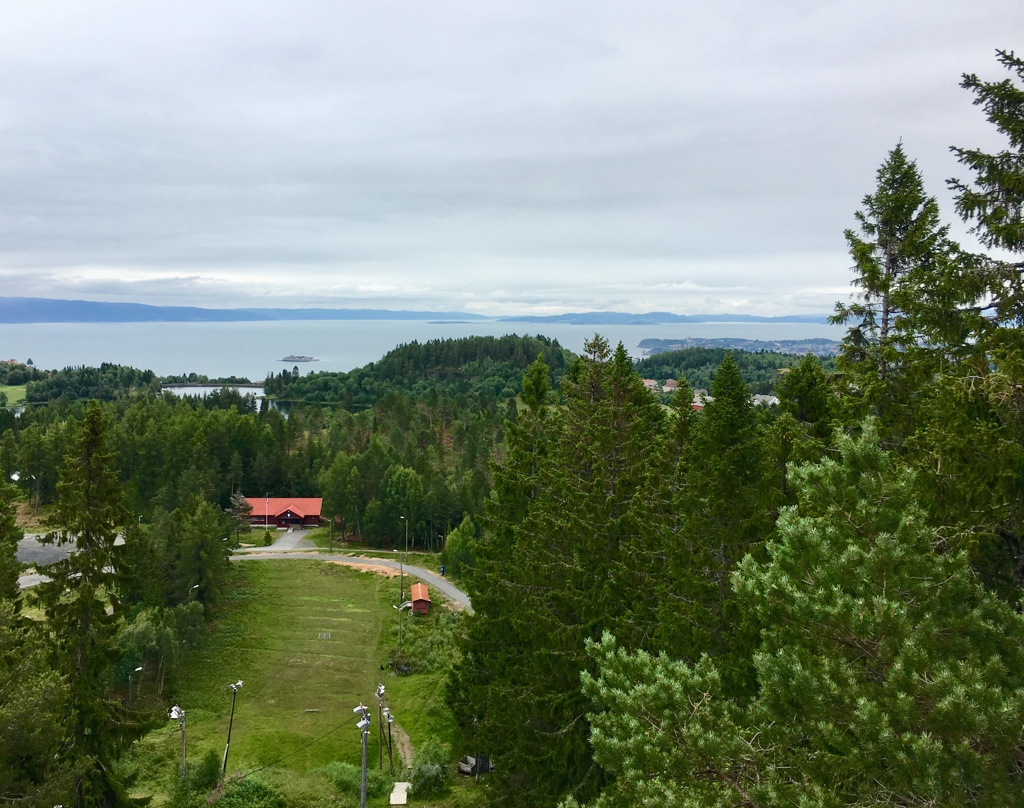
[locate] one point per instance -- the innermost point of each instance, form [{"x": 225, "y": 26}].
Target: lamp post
[
  {"x": 399, "y": 629},
  {"x": 364, "y": 727},
  {"x": 234, "y": 695},
  {"x": 177, "y": 714},
  {"x": 137, "y": 670},
  {"x": 391, "y": 759},
  {"x": 380, "y": 725}
]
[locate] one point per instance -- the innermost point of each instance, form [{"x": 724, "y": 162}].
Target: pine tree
[{"x": 886, "y": 674}]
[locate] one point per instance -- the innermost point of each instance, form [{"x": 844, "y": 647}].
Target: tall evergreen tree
[
  {"x": 726, "y": 510},
  {"x": 10, "y": 535},
  {"x": 556, "y": 570},
  {"x": 912, "y": 289},
  {"x": 994, "y": 202},
  {"x": 80, "y": 612}
]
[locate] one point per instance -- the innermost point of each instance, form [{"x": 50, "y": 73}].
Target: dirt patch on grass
[
  {"x": 28, "y": 521},
  {"x": 387, "y": 572},
  {"x": 403, "y": 747}
]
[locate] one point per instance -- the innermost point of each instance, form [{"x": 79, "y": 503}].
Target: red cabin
[{"x": 420, "y": 599}]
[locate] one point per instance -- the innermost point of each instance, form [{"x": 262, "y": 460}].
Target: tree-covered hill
[
  {"x": 105, "y": 383},
  {"x": 490, "y": 367}
]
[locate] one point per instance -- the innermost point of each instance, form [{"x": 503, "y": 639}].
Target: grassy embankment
[
  {"x": 322, "y": 539},
  {"x": 271, "y": 633},
  {"x": 15, "y": 394}
]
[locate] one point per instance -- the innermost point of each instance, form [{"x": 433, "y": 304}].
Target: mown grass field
[
  {"x": 15, "y": 393},
  {"x": 303, "y": 636}
]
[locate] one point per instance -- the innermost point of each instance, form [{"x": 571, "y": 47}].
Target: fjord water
[{"x": 254, "y": 349}]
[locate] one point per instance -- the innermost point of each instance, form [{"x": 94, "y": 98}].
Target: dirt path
[{"x": 403, "y": 748}]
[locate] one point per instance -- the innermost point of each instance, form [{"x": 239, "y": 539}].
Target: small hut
[{"x": 420, "y": 599}]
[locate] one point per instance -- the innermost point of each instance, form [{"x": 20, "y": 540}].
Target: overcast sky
[{"x": 493, "y": 157}]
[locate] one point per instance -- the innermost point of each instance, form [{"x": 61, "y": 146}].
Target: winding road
[{"x": 288, "y": 546}]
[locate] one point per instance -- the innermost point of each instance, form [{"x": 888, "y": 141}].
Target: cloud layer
[{"x": 491, "y": 157}]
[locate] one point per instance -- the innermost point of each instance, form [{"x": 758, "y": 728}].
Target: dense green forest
[
  {"x": 762, "y": 371},
  {"x": 817, "y": 604}
]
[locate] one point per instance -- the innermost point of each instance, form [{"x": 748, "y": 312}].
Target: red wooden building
[
  {"x": 420, "y": 599},
  {"x": 285, "y": 511}
]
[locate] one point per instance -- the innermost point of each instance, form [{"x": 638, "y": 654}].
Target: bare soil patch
[{"x": 387, "y": 572}]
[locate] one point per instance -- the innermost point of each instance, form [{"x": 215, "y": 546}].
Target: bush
[
  {"x": 250, "y": 794},
  {"x": 347, "y": 779},
  {"x": 431, "y": 770}
]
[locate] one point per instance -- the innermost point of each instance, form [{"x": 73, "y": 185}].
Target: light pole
[
  {"x": 137, "y": 670},
  {"x": 234, "y": 695},
  {"x": 177, "y": 714},
  {"x": 364, "y": 727},
  {"x": 380, "y": 725},
  {"x": 391, "y": 759}
]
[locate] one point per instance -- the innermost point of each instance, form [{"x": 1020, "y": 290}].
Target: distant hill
[
  {"x": 660, "y": 318},
  {"x": 45, "y": 310}
]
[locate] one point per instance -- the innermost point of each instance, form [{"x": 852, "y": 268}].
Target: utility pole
[{"x": 234, "y": 695}]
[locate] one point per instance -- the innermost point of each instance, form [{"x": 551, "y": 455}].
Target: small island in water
[{"x": 294, "y": 358}]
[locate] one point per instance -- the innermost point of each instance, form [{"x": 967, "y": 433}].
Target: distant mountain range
[{"x": 46, "y": 310}]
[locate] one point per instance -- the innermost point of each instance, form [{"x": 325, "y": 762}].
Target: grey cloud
[{"x": 548, "y": 151}]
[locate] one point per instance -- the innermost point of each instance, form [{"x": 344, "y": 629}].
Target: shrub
[
  {"x": 250, "y": 794},
  {"x": 431, "y": 770},
  {"x": 346, "y": 778}
]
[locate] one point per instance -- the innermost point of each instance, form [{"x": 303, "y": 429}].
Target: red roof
[
  {"x": 419, "y": 592},
  {"x": 262, "y": 507}
]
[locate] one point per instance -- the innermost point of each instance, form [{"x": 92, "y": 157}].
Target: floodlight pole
[
  {"x": 391, "y": 759},
  {"x": 137, "y": 670},
  {"x": 177, "y": 712},
  {"x": 364, "y": 729},
  {"x": 380, "y": 725},
  {"x": 234, "y": 695}
]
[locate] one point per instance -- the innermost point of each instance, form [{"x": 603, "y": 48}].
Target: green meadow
[{"x": 308, "y": 639}]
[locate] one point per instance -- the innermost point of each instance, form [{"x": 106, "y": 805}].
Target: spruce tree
[
  {"x": 994, "y": 202},
  {"x": 81, "y": 612},
  {"x": 559, "y": 565},
  {"x": 914, "y": 294},
  {"x": 10, "y": 535},
  {"x": 726, "y": 509}
]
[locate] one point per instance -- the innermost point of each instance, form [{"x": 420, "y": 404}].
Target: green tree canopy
[{"x": 887, "y": 674}]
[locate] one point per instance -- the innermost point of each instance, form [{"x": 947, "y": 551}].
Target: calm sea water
[{"x": 253, "y": 350}]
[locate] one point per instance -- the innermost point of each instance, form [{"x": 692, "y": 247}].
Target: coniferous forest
[{"x": 815, "y": 604}]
